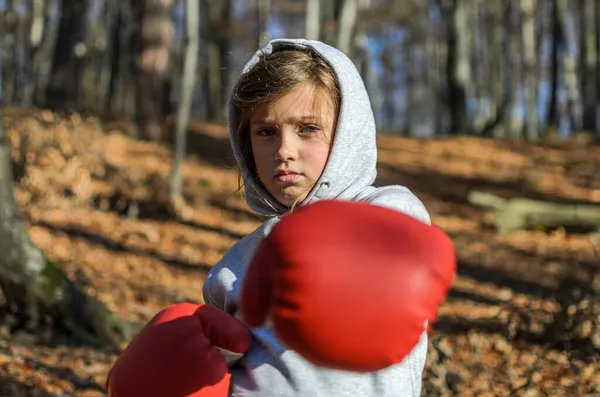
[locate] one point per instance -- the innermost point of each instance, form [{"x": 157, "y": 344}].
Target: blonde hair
[{"x": 272, "y": 77}]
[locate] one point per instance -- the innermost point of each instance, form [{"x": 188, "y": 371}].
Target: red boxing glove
[
  {"x": 175, "y": 356},
  {"x": 349, "y": 285}
]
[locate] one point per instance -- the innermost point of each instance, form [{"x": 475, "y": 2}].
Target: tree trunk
[
  {"x": 410, "y": 88},
  {"x": 64, "y": 84},
  {"x": 433, "y": 80},
  {"x": 557, "y": 45},
  {"x": 36, "y": 291},
  {"x": 388, "y": 85},
  {"x": 110, "y": 17},
  {"x": 23, "y": 71},
  {"x": 480, "y": 47},
  {"x": 313, "y": 19},
  {"x": 597, "y": 24},
  {"x": 154, "y": 65},
  {"x": 458, "y": 67},
  {"x": 589, "y": 54},
  {"x": 496, "y": 34},
  {"x": 122, "y": 86},
  {"x": 188, "y": 82},
  {"x": 45, "y": 52},
  {"x": 8, "y": 50},
  {"x": 264, "y": 12},
  {"x": 224, "y": 51},
  {"x": 329, "y": 21},
  {"x": 573, "y": 107},
  {"x": 515, "y": 213},
  {"x": 36, "y": 34},
  {"x": 530, "y": 58},
  {"x": 514, "y": 121},
  {"x": 347, "y": 26},
  {"x": 216, "y": 14},
  {"x": 90, "y": 58}
]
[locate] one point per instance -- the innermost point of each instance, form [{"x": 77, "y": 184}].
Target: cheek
[
  {"x": 316, "y": 158},
  {"x": 263, "y": 157},
  {"x": 259, "y": 150}
]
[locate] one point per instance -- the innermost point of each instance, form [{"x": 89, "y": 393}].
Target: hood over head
[{"x": 351, "y": 165}]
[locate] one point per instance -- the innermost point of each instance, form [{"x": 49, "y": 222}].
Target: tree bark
[
  {"x": 530, "y": 58},
  {"x": 110, "y": 17},
  {"x": 125, "y": 41},
  {"x": 521, "y": 213},
  {"x": 557, "y": 46},
  {"x": 480, "y": 47},
  {"x": 224, "y": 51},
  {"x": 8, "y": 50},
  {"x": 313, "y": 19},
  {"x": 44, "y": 55},
  {"x": 347, "y": 26},
  {"x": 215, "y": 73},
  {"x": 589, "y": 72},
  {"x": 36, "y": 33},
  {"x": 573, "y": 107},
  {"x": 23, "y": 70},
  {"x": 514, "y": 122},
  {"x": 188, "y": 82},
  {"x": 63, "y": 88},
  {"x": 432, "y": 44},
  {"x": 154, "y": 67},
  {"x": 263, "y": 13},
  {"x": 408, "y": 88},
  {"x": 497, "y": 74},
  {"x": 389, "y": 84},
  {"x": 458, "y": 67},
  {"x": 36, "y": 290},
  {"x": 329, "y": 21}
]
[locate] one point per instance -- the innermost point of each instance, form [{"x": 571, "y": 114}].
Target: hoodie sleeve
[
  {"x": 222, "y": 285},
  {"x": 400, "y": 199}
]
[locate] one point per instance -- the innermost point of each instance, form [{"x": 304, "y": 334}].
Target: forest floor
[{"x": 95, "y": 203}]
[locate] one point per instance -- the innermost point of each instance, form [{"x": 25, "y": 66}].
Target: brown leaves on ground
[{"x": 96, "y": 203}]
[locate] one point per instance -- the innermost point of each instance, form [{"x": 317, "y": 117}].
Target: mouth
[{"x": 287, "y": 176}]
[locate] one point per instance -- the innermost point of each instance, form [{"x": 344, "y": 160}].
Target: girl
[{"x": 302, "y": 130}]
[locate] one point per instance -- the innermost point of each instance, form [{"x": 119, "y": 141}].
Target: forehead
[{"x": 304, "y": 100}]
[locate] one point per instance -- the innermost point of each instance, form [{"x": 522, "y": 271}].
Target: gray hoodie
[{"x": 269, "y": 369}]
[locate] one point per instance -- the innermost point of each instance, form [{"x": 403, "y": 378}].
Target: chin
[{"x": 288, "y": 201}]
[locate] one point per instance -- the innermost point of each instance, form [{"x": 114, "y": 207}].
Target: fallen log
[{"x": 511, "y": 214}]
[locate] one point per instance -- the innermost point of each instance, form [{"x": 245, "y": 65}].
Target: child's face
[{"x": 291, "y": 139}]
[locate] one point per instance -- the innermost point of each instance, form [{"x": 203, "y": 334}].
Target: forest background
[{"x": 118, "y": 189}]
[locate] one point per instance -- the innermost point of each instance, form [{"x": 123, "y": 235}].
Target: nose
[{"x": 287, "y": 149}]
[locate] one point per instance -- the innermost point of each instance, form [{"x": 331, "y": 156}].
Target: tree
[
  {"x": 44, "y": 53},
  {"x": 263, "y": 13},
  {"x": 513, "y": 122},
  {"x": 589, "y": 60},
  {"x": 530, "y": 80},
  {"x": 187, "y": 89},
  {"x": 63, "y": 87},
  {"x": 36, "y": 291},
  {"x": 153, "y": 82},
  {"x": 8, "y": 31},
  {"x": 347, "y": 25},
  {"x": 215, "y": 34},
  {"x": 458, "y": 66},
  {"x": 313, "y": 20},
  {"x": 122, "y": 85}
]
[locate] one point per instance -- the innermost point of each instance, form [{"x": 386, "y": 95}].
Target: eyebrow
[{"x": 291, "y": 120}]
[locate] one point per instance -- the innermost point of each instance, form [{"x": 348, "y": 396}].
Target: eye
[
  {"x": 309, "y": 129},
  {"x": 265, "y": 132}
]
